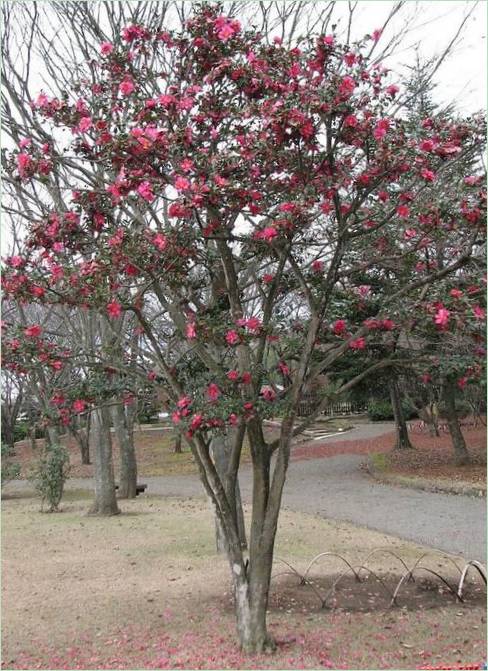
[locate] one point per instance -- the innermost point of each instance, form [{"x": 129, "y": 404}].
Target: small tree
[
  {"x": 241, "y": 189},
  {"x": 50, "y": 475}
]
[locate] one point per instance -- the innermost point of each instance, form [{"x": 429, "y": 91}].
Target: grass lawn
[{"x": 146, "y": 590}]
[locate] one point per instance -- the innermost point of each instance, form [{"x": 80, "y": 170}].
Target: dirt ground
[{"x": 146, "y": 590}]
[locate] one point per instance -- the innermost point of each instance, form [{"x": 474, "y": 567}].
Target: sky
[{"x": 463, "y": 76}]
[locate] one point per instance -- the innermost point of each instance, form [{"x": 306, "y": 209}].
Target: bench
[{"x": 140, "y": 489}]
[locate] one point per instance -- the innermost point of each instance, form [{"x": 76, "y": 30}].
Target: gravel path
[{"x": 335, "y": 488}]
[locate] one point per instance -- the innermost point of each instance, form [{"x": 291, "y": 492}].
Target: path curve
[{"x": 335, "y": 488}]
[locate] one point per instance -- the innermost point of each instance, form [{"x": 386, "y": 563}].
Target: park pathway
[{"x": 336, "y": 488}]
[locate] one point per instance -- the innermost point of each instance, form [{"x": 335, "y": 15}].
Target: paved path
[{"x": 335, "y": 488}]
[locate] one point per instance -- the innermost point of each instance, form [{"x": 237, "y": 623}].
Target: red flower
[
  {"x": 339, "y": 327},
  {"x": 114, "y": 309},
  {"x": 145, "y": 191},
  {"x": 233, "y": 375},
  {"x": 213, "y": 392},
  {"x": 428, "y": 175},
  {"x": 191, "y": 330},
  {"x": 268, "y": 393},
  {"x": 126, "y": 87},
  {"x": 441, "y": 318},
  {"x": 403, "y": 211},
  {"x": 232, "y": 337},
  {"x": 79, "y": 405},
  {"x": 106, "y": 48},
  {"x": 33, "y": 331},
  {"x": 246, "y": 378},
  {"x": 358, "y": 343}
]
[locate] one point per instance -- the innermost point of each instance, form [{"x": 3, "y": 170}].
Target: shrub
[
  {"x": 10, "y": 469},
  {"x": 380, "y": 411},
  {"x": 21, "y": 431},
  {"x": 51, "y": 474}
]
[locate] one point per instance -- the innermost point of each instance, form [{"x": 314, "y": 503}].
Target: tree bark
[
  {"x": 402, "y": 439},
  {"x": 460, "y": 450},
  {"x": 177, "y": 444},
  {"x": 105, "y": 500},
  {"x": 128, "y": 465},
  {"x": 220, "y": 452}
]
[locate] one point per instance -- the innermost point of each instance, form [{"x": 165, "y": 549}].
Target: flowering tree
[{"x": 245, "y": 189}]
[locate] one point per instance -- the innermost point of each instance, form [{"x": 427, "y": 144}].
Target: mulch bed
[{"x": 433, "y": 457}]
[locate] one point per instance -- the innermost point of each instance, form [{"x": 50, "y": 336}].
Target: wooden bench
[{"x": 140, "y": 489}]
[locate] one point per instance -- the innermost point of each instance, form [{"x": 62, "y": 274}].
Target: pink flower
[
  {"x": 428, "y": 175},
  {"x": 226, "y": 28},
  {"x": 160, "y": 241},
  {"x": 114, "y": 309},
  {"x": 58, "y": 399},
  {"x": 196, "y": 422},
  {"x": 33, "y": 331},
  {"x": 233, "y": 419},
  {"x": 347, "y": 86},
  {"x": 233, "y": 375},
  {"x": 182, "y": 183},
  {"x": 339, "y": 327},
  {"x": 16, "y": 261},
  {"x": 85, "y": 124},
  {"x": 461, "y": 383},
  {"x": 479, "y": 312},
  {"x": 176, "y": 417},
  {"x": 358, "y": 343},
  {"x": 57, "y": 365},
  {"x": 350, "y": 121},
  {"x": 106, "y": 48},
  {"x": 253, "y": 324},
  {"x": 392, "y": 90},
  {"x": 126, "y": 87},
  {"x": 388, "y": 324},
  {"x": 328, "y": 40},
  {"x": 213, "y": 392},
  {"x": 376, "y": 34},
  {"x": 427, "y": 145},
  {"x": 442, "y": 317},
  {"x": 268, "y": 393},
  {"x": 283, "y": 368},
  {"x": 269, "y": 233},
  {"x": 426, "y": 378},
  {"x": 381, "y": 129},
  {"x": 456, "y": 293},
  {"x": 472, "y": 180},
  {"x": 145, "y": 191},
  {"x": 268, "y": 278},
  {"x": 232, "y": 337},
  {"x": 403, "y": 211},
  {"x": 191, "y": 331},
  {"x": 317, "y": 266},
  {"x": 24, "y": 162},
  {"x": 184, "y": 402},
  {"x": 151, "y": 375},
  {"x": 36, "y": 291},
  {"x": 246, "y": 378},
  {"x": 79, "y": 405},
  {"x": 186, "y": 165},
  {"x": 410, "y": 233}
]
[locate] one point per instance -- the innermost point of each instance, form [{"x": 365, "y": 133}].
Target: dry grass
[{"x": 146, "y": 590}]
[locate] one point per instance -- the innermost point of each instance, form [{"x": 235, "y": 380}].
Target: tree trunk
[
  {"x": 128, "y": 464},
  {"x": 32, "y": 437},
  {"x": 220, "y": 452},
  {"x": 105, "y": 500},
  {"x": 402, "y": 439},
  {"x": 460, "y": 450},
  {"x": 177, "y": 449}
]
